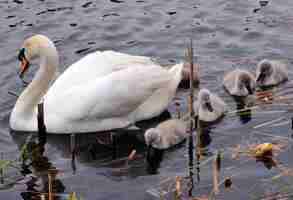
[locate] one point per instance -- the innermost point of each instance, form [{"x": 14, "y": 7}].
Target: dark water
[{"x": 226, "y": 34}]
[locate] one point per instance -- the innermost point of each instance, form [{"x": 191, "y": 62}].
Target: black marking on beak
[
  {"x": 209, "y": 106},
  {"x": 248, "y": 86},
  {"x": 261, "y": 77},
  {"x": 249, "y": 89}
]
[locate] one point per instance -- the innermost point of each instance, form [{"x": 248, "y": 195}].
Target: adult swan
[{"x": 102, "y": 91}]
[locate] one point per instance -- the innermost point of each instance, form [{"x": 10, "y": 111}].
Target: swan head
[
  {"x": 152, "y": 136},
  {"x": 245, "y": 84},
  {"x": 265, "y": 71},
  {"x": 36, "y": 46},
  {"x": 204, "y": 99}
]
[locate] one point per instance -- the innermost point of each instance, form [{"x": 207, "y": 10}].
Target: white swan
[
  {"x": 239, "y": 82},
  {"x": 271, "y": 72},
  {"x": 209, "y": 107},
  {"x": 102, "y": 91},
  {"x": 166, "y": 134}
]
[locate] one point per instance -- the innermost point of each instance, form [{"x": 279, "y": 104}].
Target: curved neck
[{"x": 32, "y": 95}]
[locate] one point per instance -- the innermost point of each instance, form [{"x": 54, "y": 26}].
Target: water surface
[{"x": 226, "y": 34}]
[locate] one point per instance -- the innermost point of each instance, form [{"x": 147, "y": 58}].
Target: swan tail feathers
[{"x": 176, "y": 71}]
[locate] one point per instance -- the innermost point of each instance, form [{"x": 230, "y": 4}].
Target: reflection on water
[
  {"x": 154, "y": 158},
  {"x": 226, "y": 33},
  {"x": 268, "y": 161},
  {"x": 244, "y": 114},
  {"x": 206, "y": 140},
  {"x": 92, "y": 149},
  {"x": 41, "y": 167}
]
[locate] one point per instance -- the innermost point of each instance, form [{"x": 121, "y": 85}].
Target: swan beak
[
  {"x": 209, "y": 106},
  {"x": 260, "y": 78},
  {"x": 24, "y": 65},
  {"x": 249, "y": 90}
]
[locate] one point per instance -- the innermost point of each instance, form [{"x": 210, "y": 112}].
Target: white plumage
[{"x": 102, "y": 91}]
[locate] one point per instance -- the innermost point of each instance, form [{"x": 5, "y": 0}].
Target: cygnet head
[
  {"x": 152, "y": 136},
  {"x": 265, "y": 71},
  {"x": 154, "y": 155},
  {"x": 37, "y": 45},
  {"x": 204, "y": 99},
  {"x": 245, "y": 84}
]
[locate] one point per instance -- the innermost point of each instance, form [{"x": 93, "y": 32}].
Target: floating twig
[
  {"x": 177, "y": 188},
  {"x": 131, "y": 155}
]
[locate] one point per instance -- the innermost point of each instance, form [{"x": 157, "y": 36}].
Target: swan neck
[{"x": 32, "y": 95}]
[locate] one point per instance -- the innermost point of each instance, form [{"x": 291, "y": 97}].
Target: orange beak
[{"x": 24, "y": 65}]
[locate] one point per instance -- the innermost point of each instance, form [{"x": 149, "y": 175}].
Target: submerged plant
[{"x": 73, "y": 196}]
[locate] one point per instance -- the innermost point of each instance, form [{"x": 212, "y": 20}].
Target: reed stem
[
  {"x": 2, "y": 170},
  {"x": 189, "y": 56},
  {"x": 52, "y": 173},
  {"x": 216, "y": 172},
  {"x": 50, "y": 186},
  {"x": 178, "y": 188}
]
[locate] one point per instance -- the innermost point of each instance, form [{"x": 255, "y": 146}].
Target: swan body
[
  {"x": 102, "y": 91},
  {"x": 271, "y": 72},
  {"x": 166, "y": 134},
  {"x": 239, "y": 83},
  {"x": 209, "y": 107}
]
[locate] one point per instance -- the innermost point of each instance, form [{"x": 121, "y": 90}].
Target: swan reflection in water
[
  {"x": 92, "y": 150},
  {"x": 40, "y": 165}
]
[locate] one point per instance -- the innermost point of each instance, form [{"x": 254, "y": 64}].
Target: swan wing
[
  {"x": 281, "y": 73},
  {"x": 116, "y": 95},
  {"x": 220, "y": 107},
  {"x": 93, "y": 66}
]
